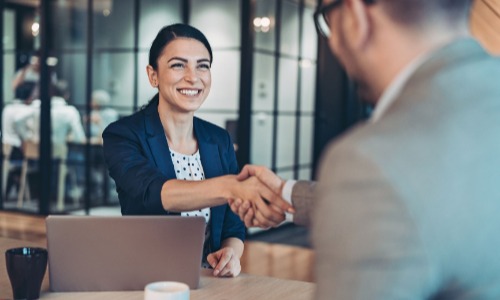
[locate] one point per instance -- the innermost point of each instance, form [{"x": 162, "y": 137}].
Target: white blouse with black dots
[{"x": 188, "y": 167}]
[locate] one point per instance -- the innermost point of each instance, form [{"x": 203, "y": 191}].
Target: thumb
[
  {"x": 212, "y": 259},
  {"x": 244, "y": 174}
]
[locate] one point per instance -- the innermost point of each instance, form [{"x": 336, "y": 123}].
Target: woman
[{"x": 166, "y": 161}]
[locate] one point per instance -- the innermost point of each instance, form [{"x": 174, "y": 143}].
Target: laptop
[{"x": 88, "y": 253}]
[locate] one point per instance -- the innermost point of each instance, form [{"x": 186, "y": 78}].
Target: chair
[
  {"x": 31, "y": 152},
  {"x": 7, "y": 150}
]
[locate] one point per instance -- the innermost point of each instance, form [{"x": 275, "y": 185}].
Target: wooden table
[{"x": 242, "y": 287}]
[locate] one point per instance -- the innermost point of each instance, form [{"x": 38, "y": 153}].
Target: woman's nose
[{"x": 191, "y": 75}]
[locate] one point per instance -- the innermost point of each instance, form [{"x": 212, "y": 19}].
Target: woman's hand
[{"x": 225, "y": 262}]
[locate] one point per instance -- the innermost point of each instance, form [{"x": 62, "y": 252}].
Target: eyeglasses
[{"x": 321, "y": 20}]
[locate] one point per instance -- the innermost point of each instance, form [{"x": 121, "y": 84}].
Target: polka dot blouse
[{"x": 188, "y": 167}]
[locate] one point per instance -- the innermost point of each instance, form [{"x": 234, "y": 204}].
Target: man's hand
[
  {"x": 262, "y": 199},
  {"x": 259, "y": 213},
  {"x": 265, "y": 175},
  {"x": 224, "y": 262}
]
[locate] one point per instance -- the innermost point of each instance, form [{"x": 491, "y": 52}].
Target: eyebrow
[{"x": 185, "y": 60}]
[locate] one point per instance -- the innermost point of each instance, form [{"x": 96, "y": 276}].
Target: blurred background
[{"x": 276, "y": 88}]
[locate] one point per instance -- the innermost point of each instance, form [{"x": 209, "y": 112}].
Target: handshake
[{"x": 260, "y": 204}]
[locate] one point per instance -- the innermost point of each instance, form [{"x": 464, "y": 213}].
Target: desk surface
[{"x": 242, "y": 287}]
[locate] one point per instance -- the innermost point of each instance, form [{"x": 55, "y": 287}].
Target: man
[
  {"x": 18, "y": 108},
  {"x": 66, "y": 121},
  {"x": 102, "y": 115},
  {"x": 407, "y": 204},
  {"x": 11, "y": 138}
]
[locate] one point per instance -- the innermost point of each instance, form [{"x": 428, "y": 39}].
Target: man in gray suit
[{"x": 407, "y": 203}]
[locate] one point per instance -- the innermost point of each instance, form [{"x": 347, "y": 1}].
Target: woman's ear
[{"x": 152, "y": 76}]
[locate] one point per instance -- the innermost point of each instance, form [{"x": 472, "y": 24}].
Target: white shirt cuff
[{"x": 286, "y": 194}]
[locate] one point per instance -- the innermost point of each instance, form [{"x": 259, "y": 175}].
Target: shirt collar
[{"x": 391, "y": 93}]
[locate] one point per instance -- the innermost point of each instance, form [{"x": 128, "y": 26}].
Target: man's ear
[
  {"x": 361, "y": 22},
  {"x": 152, "y": 76}
]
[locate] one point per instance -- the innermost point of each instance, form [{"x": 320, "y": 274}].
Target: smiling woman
[{"x": 165, "y": 161}]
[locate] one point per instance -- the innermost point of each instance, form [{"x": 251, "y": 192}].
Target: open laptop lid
[{"x": 89, "y": 253}]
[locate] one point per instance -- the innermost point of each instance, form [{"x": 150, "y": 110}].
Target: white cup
[{"x": 166, "y": 290}]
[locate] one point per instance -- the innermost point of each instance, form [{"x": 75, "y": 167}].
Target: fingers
[
  {"x": 212, "y": 259},
  {"x": 232, "y": 269},
  {"x": 234, "y": 204},
  {"x": 225, "y": 256},
  {"x": 264, "y": 221},
  {"x": 248, "y": 218}
]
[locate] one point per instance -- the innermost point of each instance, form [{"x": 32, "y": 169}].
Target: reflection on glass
[
  {"x": 305, "y": 174},
  {"x": 70, "y": 30},
  {"x": 285, "y": 174},
  {"x": 114, "y": 72},
  {"x": 8, "y": 75},
  {"x": 224, "y": 93},
  {"x": 306, "y": 139},
  {"x": 287, "y": 93},
  {"x": 309, "y": 36},
  {"x": 290, "y": 29},
  {"x": 219, "y": 20},
  {"x": 263, "y": 82},
  {"x": 8, "y": 37},
  {"x": 308, "y": 86},
  {"x": 286, "y": 141},
  {"x": 154, "y": 15},
  {"x": 265, "y": 25},
  {"x": 262, "y": 139},
  {"x": 113, "y": 23},
  {"x": 69, "y": 68}
]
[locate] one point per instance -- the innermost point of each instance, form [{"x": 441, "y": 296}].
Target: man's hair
[
  {"x": 25, "y": 90},
  {"x": 60, "y": 89},
  {"x": 417, "y": 12}
]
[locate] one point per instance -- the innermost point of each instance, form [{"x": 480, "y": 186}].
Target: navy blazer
[{"x": 138, "y": 159}]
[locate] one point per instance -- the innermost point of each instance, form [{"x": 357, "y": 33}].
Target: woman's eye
[
  {"x": 177, "y": 66},
  {"x": 204, "y": 67}
]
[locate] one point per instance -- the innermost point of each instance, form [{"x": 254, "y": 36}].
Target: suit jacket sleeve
[
  {"x": 367, "y": 245},
  {"x": 138, "y": 180},
  {"x": 302, "y": 200}
]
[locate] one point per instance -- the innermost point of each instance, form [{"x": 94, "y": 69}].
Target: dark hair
[
  {"x": 59, "y": 89},
  {"x": 170, "y": 33},
  {"x": 25, "y": 90},
  {"x": 416, "y": 12}
]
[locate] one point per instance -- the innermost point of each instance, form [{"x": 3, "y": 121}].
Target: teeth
[{"x": 189, "y": 92}]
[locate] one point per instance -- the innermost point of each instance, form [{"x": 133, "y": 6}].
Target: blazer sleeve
[
  {"x": 138, "y": 180},
  {"x": 302, "y": 201},
  {"x": 233, "y": 226}
]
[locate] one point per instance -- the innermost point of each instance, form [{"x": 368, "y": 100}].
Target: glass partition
[{"x": 97, "y": 61}]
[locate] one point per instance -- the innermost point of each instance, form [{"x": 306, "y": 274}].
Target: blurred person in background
[
  {"x": 102, "y": 115},
  {"x": 66, "y": 122},
  {"x": 11, "y": 138}
]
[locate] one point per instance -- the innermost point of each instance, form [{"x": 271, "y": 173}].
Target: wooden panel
[{"x": 485, "y": 24}]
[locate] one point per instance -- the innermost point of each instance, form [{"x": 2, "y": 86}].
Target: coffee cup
[
  {"x": 26, "y": 268},
  {"x": 166, "y": 290}
]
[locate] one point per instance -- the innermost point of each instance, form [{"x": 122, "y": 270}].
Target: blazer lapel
[
  {"x": 157, "y": 141},
  {"x": 212, "y": 166}
]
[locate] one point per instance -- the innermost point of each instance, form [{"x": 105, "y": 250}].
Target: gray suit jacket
[
  {"x": 408, "y": 207},
  {"x": 302, "y": 200}
]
